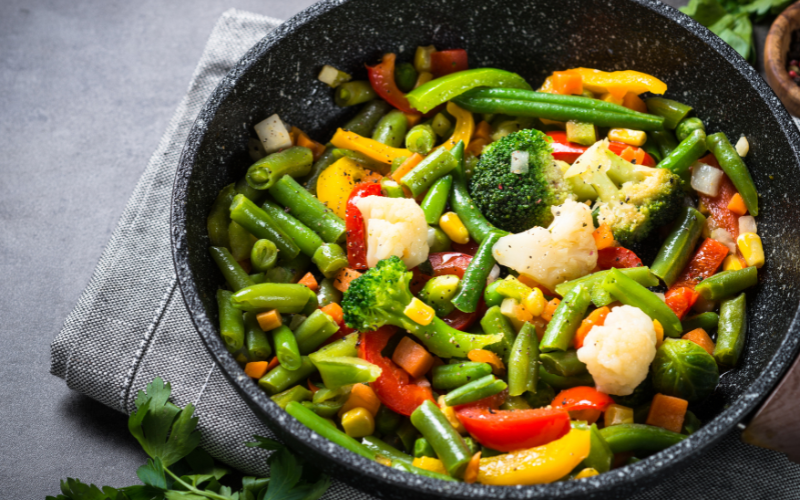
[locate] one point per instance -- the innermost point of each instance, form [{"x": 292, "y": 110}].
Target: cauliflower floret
[
  {"x": 618, "y": 354},
  {"x": 395, "y": 226},
  {"x": 564, "y": 251}
]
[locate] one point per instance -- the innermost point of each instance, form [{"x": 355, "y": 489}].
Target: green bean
[
  {"x": 672, "y": 111},
  {"x": 566, "y": 319},
  {"x": 561, "y": 383},
  {"x": 523, "y": 363},
  {"x": 241, "y": 242},
  {"x": 449, "y": 447},
  {"x": 296, "y": 267},
  {"x": 279, "y": 378},
  {"x": 650, "y": 147},
  {"x": 600, "y": 456},
  {"x": 297, "y": 393},
  {"x": 308, "y": 209},
  {"x": 732, "y": 331},
  {"x": 688, "y": 151},
  {"x": 641, "y": 275},
  {"x": 258, "y": 277},
  {"x": 491, "y": 296},
  {"x": 305, "y": 238},
  {"x": 287, "y": 298},
  {"x": 687, "y": 126},
  {"x": 366, "y": 119},
  {"x": 422, "y": 448},
  {"x": 255, "y": 339},
  {"x": 324, "y": 429},
  {"x": 286, "y": 348},
  {"x": 461, "y": 201},
  {"x": 679, "y": 246},
  {"x": 512, "y": 288},
  {"x": 387, "y": 421},
  {"x": 515, "y": 403},
  {"x": 219, "y": 217},
  {"x": 361, "y": 158},
  {"x": 312, "y": 304},
  {"x": 405, "y": 75},
  {"x": 733, "y": 165},
  {"x": 262, "y": 226},
  {"x": 494, "y": 322},
  {"x": 441, "y": 124},
  {"x": 421, "y": 139},
  {"x": 329, "y": 258},
  {"x": 391, "y": 188},
  {"x": 474, "y": 280},
  {"x": 563, "y": 363},
  {"x": 381, "y": 448},
  {"x": 665, "y": 141},
  {"x": 639, "y": 437},
  {"x": 475, "y": 390},
  {"x": 353, "y": 92},
  {"x": 236, "y": 277},
  {"x": 727, "y": 283},
  {"x": 544, "y": 394},
  {"x": 231, "y": 323},
  {"x": 327, "y": 293},
  {"x": 420, "y": 472},
  {"x": 441, "y": 242},
  {"x": 631, "y": 293},
  {"x": 391, "y": 129},
  {"x": 326, "y": 409},
  {"x": 295, "y": 161},
  {"x": 436, "y": 165},
  {"x": 325, "y": 160},
  {"x": 264, "y": 255},
  {"x": 248, "y": 191},
  {"x": 547, "y": 98},
  {"x": 279, "y": 274},
  {"x": 315, "y": 330},
  {"x": 707, "y": 321},
  {"x": 436, "y": 199},
  {"x": 446, "y": 377}
]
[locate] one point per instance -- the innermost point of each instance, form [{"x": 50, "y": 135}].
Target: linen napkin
[{"x": 131, "y": 325}]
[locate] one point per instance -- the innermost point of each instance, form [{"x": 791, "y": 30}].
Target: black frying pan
[{"x": 532, "y": 38}]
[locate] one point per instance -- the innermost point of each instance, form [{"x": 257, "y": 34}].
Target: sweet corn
[
  {"x": 452, "y": 226},
  {"x": 535, "y": 302},
  {"x": 618, "y": 414},
  {"x": 731, "y": 263},
  {"x": 659, "y": 333},
  {"x": 269, "y": 320},
  {"x": 627, "y": 136},
  {"x": 429, "y": 463},
  {"x": 587, "y": 472},
  {"x": 358, "y": 423},
  {"x": 450, "y": 415},
  {"x": 751, "y": 248},
  {"x": 419, "y": 312}
]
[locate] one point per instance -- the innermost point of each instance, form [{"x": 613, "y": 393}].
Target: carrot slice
[
  {"x": 667, "y": 412},
  {"x": 474, "y": 465},
  {"x": 482, "y": 131},
  {"x": 603, "y": 237},
  {"x": 343, "y": 278},
  {"x": 407, "y": 166},
  {"x": 596, "y": 317},
  {"x": 334, "y": 310},
  {"x": 310, "y": 281},
  {"x": 701, "y": 338},
  {"x": 412, "y": 357},
  {"x": 484, "y": 356},
  {"x": 256, "y": 369},
  {"x": 273, "y": 363},
  {"x": 550, "y": 308}
]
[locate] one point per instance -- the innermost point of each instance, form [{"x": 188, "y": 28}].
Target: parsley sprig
[{"x": 178, "y": 470}]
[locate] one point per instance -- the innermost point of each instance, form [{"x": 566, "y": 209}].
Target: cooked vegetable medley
[{"x": 450, "y": 286}]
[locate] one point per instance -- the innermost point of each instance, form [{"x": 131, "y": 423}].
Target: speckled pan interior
[{"x": 532, "y": 38}]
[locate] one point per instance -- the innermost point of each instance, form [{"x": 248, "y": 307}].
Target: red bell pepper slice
[
  {"x": 618, "y": 257},
  {"x": 444, "y": 62},
  {"x": 681, "y": 295},
  {"x": 618, "y": 147},
  {"x": 718, "y": 205},
  {"x": 680, "y": 299},
  {"x": 354, "y": 224},
  {"x": 508, "y": 430},
  {"x": 563, "y": 150},
  {"x": 581, "y": 398},
  {"x": 381, "y": 77},
  {"x": 395, "y": 387}
]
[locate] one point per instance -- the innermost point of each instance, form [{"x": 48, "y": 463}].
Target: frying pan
[{"x": 532, "y": 38}]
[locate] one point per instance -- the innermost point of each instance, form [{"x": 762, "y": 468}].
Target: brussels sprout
[
  {"x": 543, "y": 396},
  {"x": 685, "y": 370}
]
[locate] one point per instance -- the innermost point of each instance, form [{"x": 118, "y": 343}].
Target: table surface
[{"x": 87, "y": 91}]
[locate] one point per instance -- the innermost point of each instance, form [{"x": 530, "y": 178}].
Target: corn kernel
[
  {"x": 535, "y": 302},
  {"x": 618, "y": 414},
  {"x": 751, "y": 248},
  {"x": 452, "y": 226},
  {"x": 659, "y": 332},
  {"x": 419, "y": 312},
  {"x": 627, "y": 136},
  {"x": 587, "y": 472},
  {"x": 731, "y": 263},
  {"x": 450, "y": 415},
  {"x": 358, "y": 423},
  {"x": 429, "y": 463}
]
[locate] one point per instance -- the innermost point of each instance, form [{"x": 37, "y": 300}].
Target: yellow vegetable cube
[
  {"x": 535, "y": 302},
  {"x": 358, "y": 423},
  {"x": 429, "y": 463},
  {"x": 452, "y": 226},
  {"x": 751, "y": 248},
  {"x": 419, "y": 312},
  {"x": 659, "y": 333},
  {"x": 731, "y": 263},
  {"x": 627, "y": 136},
  {"x": 618, "y": 414}
]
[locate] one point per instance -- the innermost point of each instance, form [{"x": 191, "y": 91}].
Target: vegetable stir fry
[{"x": 450, "y": 285}]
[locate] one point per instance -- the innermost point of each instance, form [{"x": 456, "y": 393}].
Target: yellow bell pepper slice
[
  {"x": 619, "y": 83},
  {"x": 336, "y": 182},
  {"x": 373, "y": 149},
  {"x": 543, "y": 464},
  {"x": 465, "y": 126}
]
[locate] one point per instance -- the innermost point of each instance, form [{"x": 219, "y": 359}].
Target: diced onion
[
  {"x": 747, "y": 224},
  {"x": 329, "y": 75},
  {"x": 709, "y": 227},
  {"x": 494, "y": 274},
  {"x": 273, "y": 134},
  {"x": 706, "y": 179},
  {"x": 519, "y": 162},
  {"x": 742, "y": 146},
  {"x": 508, "y": 307},
  {"x": 724, "y": 237}
]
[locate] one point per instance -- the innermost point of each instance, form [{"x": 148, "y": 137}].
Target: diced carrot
[
  {"x": 701, "y": 338},
  {"x": 273, "y": 363},
  {"x": 303, "y": 140},
  {"x": 484, "y": 356},
  {"x": 634, "y": 102},
  {"x": 334, "y": 310},
  {"x": 627, "y": 154},
  {"x": 246, "y": 265},
  {"x": 596, "y": 317},
  {"x": 736, "y": 205},
  {"x": 667, "y": 412},
  {"x": 310, "y": 281},
  {"x": 474, "y": 465},
  {"x": 476, "y": 146},
  {"x": 372, "y": 176},
  {"x": 482, "y": 131},
  {"x": 256, "y": 369},
  {"x": 413, "y": 119},
  {"x": 407, "y": 166},
  {"x": 550, "y": 308},
  {"x": 567, "y": 83},
  {"x": 412, "y": 357},
  {"x": 269, "y": 320},
  {"x": 343, "y": 278},
  {"x": 603, "y": 237},
  {"x": 361, "y": 396}
]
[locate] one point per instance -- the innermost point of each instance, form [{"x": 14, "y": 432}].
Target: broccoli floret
[
  {"x": 379, "y": 297},
  {"x": 518, "y": 201},
  {"x": 631, "y": 199}
]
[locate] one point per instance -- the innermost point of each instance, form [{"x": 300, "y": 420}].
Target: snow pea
[
  {"x": 688, "y": 151},
  {"x": 440, "y": 90},
  {"x": 286, "y": 348},
  {"x": 436, "y": 199},
  {"x": 327, "y": 293},
  {"x": 391, "y": 129}
]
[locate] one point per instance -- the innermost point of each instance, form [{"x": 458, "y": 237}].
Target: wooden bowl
[{"x": 775, "y": 49}]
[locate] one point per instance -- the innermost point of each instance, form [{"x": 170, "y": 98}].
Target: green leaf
[
  {"x": 152, "y": 474},
  {"x": 74, "y": 489},
  {"x": 285, "y": 473},
  {"x": 265, "y": 443},
  {"x": 252, "y": 486},
  {"x": 705, "y": 12},
  {"x": 183, "y": 495}
]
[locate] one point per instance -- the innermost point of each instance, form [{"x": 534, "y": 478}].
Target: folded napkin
[{"x": 131, "y": 325}]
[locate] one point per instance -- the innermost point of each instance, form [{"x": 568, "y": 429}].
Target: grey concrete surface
[{"x": 86, "y": 91}]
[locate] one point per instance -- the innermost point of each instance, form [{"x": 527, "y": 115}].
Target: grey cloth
[{"x": 131, "y": 325}]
